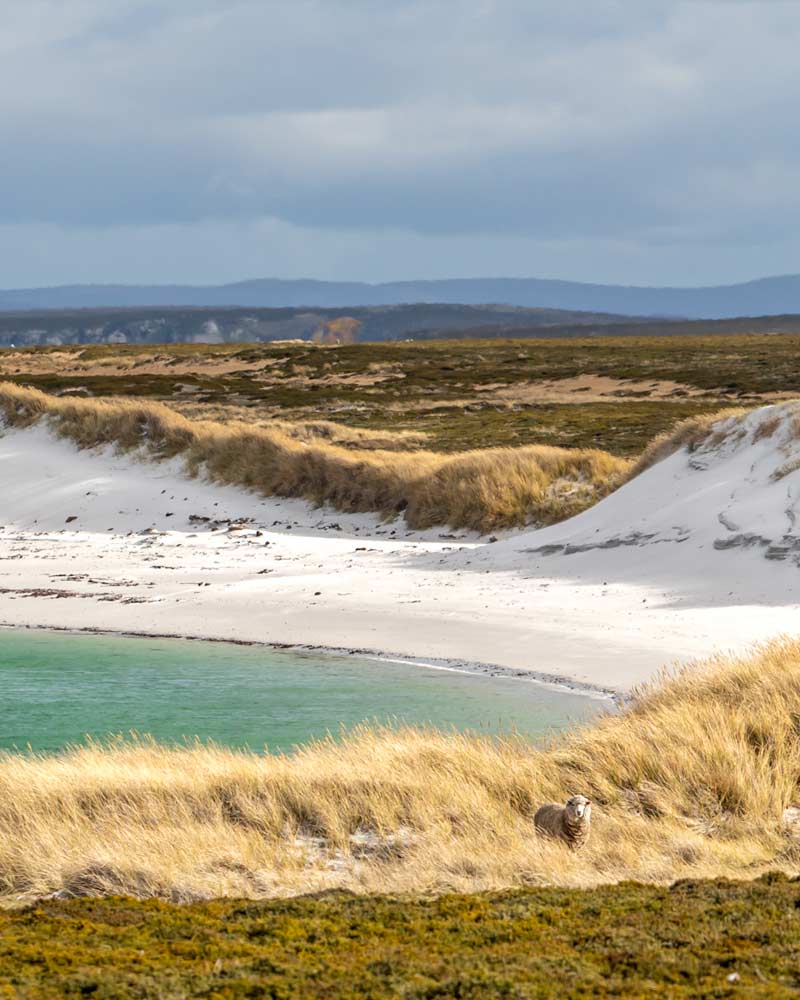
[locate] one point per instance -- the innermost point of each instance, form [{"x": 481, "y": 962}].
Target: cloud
[{"x": 614, "y": 124}]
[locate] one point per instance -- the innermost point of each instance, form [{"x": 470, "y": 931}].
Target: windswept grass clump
[
  {"x": 689, "y": 433},
  {"x": 315, "y": 431},
  {"x": 692, "y": 779},
  {"x": 731, "y": 425},
  {"x": 308, "y": 431},
  {"x": 480, "y": 490}
]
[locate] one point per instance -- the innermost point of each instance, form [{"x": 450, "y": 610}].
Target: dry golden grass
[
  {"x": 308, "y": 431},
  {"x": 482, "y": 490},
  {"x": 692, "y": 779},
  {"x": 689, "y": 434}
]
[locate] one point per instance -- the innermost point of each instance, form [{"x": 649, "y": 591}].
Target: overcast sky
[{"x": 213, "y": 140}]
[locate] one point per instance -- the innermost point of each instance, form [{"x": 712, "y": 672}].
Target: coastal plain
[
  {"x": 639, "y": 514},
  {"x": 103, "y": 539}
]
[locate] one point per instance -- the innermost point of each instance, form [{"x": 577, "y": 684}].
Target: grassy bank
[
  {"x": 614, "y": 394},
  {"x": 696, "y": 939},
  {"x": 691, "y": 780},
  {"x": 482, "y": 490}
]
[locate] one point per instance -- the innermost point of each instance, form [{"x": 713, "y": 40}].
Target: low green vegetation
[
  {"x": 694, "y": 939},
  {"x": 462, "y": 393},
  {"x": 623, "y": 429}
]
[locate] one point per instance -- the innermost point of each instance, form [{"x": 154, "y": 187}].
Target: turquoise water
[{"x": 57, "y": 689}]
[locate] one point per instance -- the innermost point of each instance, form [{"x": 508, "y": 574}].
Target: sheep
[{"x": 569, "y": 823}]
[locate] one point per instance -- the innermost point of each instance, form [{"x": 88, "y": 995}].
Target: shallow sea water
[{"x": 58, "y": 688}]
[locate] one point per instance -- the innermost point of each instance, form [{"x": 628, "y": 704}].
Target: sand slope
[{"x": 697, "y": 554}]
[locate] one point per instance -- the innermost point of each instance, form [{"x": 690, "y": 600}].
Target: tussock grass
[
  {"x": 690, "y": 780},
  {"x": 308, "y": 431},
  {"x": 481, "y": 490},
  {"x": 713, "y": 430},
  {"x": 689, "y": 433},
  {"x": 362, "y": 438}
]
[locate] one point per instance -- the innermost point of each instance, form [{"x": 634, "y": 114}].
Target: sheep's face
[{"x": 579, "y": 808}]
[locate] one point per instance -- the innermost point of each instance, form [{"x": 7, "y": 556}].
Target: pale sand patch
[
  {"x": 157, "y": 363},
  {"x": 587, "y": 389},
  {"x": 644, "y": 585},
  {"x": 195, "y": 366},
  {"x": 578, "y": 389}
]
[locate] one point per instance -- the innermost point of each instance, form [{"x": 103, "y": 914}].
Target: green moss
[
  {"x": 626, "y": 940},
  {"x": 621, "y": 428},
  {"x": 439, "y": 386}
]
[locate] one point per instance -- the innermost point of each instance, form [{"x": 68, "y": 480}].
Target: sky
[{"x": 207, "y": 141}]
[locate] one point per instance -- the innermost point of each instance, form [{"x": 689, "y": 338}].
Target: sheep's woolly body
[{"x": 567, "y": 823}]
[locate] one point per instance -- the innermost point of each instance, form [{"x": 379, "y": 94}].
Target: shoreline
[
  {"x": 550, "y": 681},
  {"x": 651, "y": 578}
]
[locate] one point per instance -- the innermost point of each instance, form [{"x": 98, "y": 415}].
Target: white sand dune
[{"x": 700, "y": 553}]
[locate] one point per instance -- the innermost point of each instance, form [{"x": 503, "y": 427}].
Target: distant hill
[
  {"x": 25, "y": 328},
  {"x": 53, "y": 327},
  {"x": 629, "y": 327},
  {"x": 763, "y": 297}
]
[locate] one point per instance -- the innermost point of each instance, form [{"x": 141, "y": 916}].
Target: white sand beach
[{"x": 696, "y": 555}]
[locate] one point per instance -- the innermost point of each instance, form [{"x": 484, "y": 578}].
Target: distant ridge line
[{"x": 768, "y": 296}]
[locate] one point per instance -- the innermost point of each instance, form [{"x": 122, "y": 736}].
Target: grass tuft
[
  {"x": 690, "y": 433},
  {"x": 692, "y": 779},
  {"x": 479, "y": 490}
]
